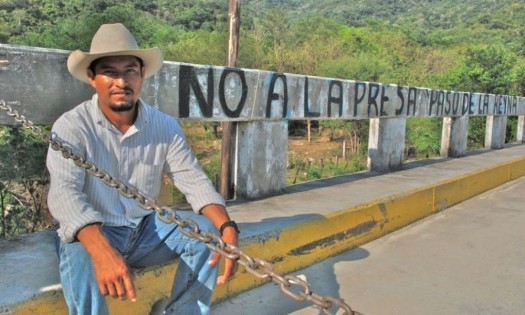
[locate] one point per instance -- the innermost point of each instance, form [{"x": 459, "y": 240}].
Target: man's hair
[{"x": 94, "y": 63}]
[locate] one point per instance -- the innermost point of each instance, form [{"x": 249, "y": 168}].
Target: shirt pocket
[{"x": 147, "y": 179}]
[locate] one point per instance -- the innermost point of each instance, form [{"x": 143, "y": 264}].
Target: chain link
[{"x": 287, "y": 284}]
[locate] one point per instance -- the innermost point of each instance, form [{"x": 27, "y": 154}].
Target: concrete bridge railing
[{"x": 35, "y": 82}]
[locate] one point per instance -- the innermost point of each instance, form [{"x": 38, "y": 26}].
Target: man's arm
[
  {"x": 111, "y": 271},
  {"x": 217, "y": 214},
  {"x": 187, "y": 175},
  {"x": 67, "y": 201}
]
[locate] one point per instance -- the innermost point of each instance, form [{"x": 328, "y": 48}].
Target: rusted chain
[{"x": 190, "y": 228}]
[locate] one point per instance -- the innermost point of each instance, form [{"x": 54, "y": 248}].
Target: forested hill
[
  {"x": 476, "y": 45},
  {"x": 425, "y": 13},
  {"x": 433, "y": 21}
]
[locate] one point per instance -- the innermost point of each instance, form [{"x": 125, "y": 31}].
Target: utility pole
[{"x": 229, "y": 127}]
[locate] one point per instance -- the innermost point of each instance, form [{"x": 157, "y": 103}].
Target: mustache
[{"x": 126, "y": 90}]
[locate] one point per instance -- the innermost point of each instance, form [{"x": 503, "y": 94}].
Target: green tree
[
  {"x": 519, "y": 88},
  {"x": 200, "y": 47},
  {"x": 423, "y": 137},
  {"x": 23, "y": 179},
  {"x": 476, "y": 132},
  {"x": 490, "y": 69}
]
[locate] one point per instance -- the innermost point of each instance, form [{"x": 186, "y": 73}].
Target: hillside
[
  {"x": 442, "y": 22},
  {"x": 437, "y": 22}
]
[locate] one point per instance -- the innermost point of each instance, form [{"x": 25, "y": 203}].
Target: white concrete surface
[{"x": 466, "y": 260}]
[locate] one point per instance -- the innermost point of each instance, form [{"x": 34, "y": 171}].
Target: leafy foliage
[
  {"x": 423, "y": 137},
  {"x": 476, "y": 132},
  {"x": 490, "y": 69},
  {"x": 23, "y": 182}
]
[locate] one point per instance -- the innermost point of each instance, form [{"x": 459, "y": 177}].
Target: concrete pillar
[
  {"x": 454, "y": 137},
  {"x": 386, "y": 144},
  {"x": 521, "y": 129},
  {"x": 262, "y": 152},
  {"x": 495, "y": 132}
]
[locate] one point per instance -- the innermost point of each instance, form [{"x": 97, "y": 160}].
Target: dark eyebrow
[{"x": 103, "y": 66}]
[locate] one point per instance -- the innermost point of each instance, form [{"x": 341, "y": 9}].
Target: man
[{"x": 103, "y": 234}]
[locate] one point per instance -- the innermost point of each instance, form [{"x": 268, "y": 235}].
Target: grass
[{"x": 306, "y": 169}]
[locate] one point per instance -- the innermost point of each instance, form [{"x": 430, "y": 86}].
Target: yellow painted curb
[{"x": 306, "y": 243}]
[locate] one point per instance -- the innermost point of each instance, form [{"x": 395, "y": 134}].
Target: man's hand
[
  {"x": 217, "y": 214},
  {"x": 230, "y": 266},
  {"x": 113, "y": 275}
]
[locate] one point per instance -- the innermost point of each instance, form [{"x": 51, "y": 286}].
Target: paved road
[{"x": 468, "y": 259}]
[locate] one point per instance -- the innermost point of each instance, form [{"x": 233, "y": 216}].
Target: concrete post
[
  {"x": 521, "y": 129},
  {"x": 262, "y": 152},
  {"x": 495, "y": 133},
  {"x": 454, "y": 136},
  {"x": 386, "y": 144}
]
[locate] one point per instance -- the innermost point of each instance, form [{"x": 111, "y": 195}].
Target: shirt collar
[
  {"x": 100, "y": 118},
  {"x": 142, "y": 116}
]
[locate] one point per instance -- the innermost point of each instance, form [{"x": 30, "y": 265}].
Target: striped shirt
[{"x": 154, "y": 145}]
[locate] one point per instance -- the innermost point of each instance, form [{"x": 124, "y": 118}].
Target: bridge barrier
[{"x": 262, "y": 103}]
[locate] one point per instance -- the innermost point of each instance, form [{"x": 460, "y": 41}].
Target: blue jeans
[{"x": 153, "y": 242}]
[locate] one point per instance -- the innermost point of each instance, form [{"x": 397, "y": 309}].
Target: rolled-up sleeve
[
  {"x": 188, "y": 176},
  {"x": 67, "y": 202}
]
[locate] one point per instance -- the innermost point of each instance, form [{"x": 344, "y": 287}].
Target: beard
[{"x": 122, "y": 107}]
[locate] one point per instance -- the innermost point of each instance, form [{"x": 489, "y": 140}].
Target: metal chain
[{"x": 257, "y": 267}]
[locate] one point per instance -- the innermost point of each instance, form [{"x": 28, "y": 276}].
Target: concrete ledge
[{"x": 309, "y": 223}]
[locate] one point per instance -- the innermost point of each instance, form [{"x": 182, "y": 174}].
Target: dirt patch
[
  {"x": 205, "y": 140},
  {"x": 319, "y": 148}
]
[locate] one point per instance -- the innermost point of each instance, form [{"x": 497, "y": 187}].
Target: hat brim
[{"x": 79, "y": 61}]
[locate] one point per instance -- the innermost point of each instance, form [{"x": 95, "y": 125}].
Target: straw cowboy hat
[{"x": 113, "y": 40}]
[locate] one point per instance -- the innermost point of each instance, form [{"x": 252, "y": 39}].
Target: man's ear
[{"x": 91, "y": 78}]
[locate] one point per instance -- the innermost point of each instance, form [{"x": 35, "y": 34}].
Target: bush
[{"x": 23, "y": 182}]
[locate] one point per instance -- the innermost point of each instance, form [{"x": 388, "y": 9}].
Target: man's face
[{"x": 117, "y": 81}]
